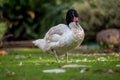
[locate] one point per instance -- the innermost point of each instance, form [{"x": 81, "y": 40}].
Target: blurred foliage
[
  {"x": 30, "y": 19},
  {"x": 96, "y": 15},
  {"x": 3, "y": 25},
  {"x": 3, "y": 28}
]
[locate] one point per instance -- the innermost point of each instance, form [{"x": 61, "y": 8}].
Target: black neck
[{"x": 70, "y": 16}]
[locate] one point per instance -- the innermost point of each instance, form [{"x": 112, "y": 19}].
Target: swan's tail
[{"x": 41, "y": 43}]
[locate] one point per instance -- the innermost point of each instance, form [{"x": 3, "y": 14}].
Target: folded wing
[{"x": 55, "y": 33}]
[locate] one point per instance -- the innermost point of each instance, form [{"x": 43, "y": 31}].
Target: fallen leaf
[
  {"x": 117, "y": 55},
  {"x": 3, "y": 52},
  {"x": 84, "y": 70},
  {"x": 40, "y": 58},
  {"x": 20, "y": 63},
  {"x": 20, "y": 57},
  {"x": 110, "y": 71},
  {"x": 31, "y": 14},
  {"x": 77, "y": 61},
  {"x": 118, "y": 65},
  {"x": 54, "y": 71},
  {"x": 10, "y": 73},
  {"x": 62, "y": 58},
  {"x": 29, "y": 56},
  {"x": 85, "y": 59},
  {"x": 74, "y": 66},
  {"x": 101, "y": 59}
]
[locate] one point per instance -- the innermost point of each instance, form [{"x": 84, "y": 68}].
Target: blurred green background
[{"x": 31, "y": 19}]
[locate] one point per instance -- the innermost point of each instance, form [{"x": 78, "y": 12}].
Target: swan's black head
[{"x": 71, "y": 16}]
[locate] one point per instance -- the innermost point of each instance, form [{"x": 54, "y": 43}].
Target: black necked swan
[{"x": 62, "y": 38}]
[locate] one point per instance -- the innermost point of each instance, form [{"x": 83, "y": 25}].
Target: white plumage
[{"x": 61, "y": 39}]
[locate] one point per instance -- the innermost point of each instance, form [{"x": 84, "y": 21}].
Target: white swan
[{"x": 62, "y": 38}]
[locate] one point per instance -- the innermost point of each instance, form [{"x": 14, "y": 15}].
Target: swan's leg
[
  {"x": 66, "y": 55},
  {"x": 55, "y": 54}
]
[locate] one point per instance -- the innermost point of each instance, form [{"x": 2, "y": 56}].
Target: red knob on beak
[{"x": 75, "y": 19}]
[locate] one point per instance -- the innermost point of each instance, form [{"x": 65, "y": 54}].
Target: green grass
[{"x": 34, "y": 62}]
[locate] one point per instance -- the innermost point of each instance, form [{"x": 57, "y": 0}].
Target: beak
[{"x": 76, "y": 20}]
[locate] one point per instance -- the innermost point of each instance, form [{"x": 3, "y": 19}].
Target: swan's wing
[{"x": 56, "y": 32}]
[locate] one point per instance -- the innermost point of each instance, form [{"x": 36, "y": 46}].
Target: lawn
[{"x": 30, "y": 64}]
